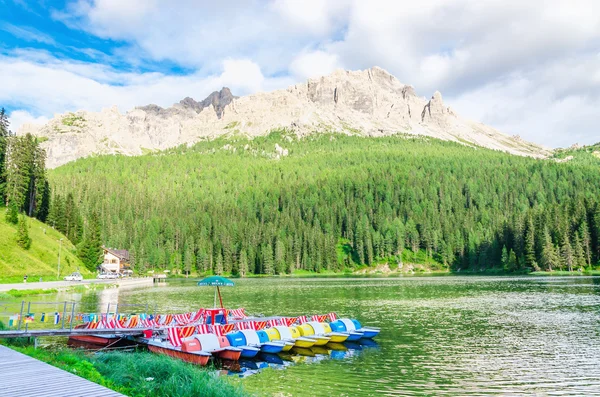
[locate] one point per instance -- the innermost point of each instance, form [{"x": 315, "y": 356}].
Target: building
[{"x": 115, "y": 261}]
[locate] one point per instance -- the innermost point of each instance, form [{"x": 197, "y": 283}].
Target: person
[{"x": 25, "y": 279}]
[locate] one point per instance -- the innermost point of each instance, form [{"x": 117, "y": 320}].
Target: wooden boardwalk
[{"x": 23, "y": 376}]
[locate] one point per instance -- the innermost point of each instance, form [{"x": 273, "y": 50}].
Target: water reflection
[{"x": 440, "y": 336}]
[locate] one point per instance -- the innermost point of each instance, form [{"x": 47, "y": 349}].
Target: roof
[{"x": 121, "y": 254}]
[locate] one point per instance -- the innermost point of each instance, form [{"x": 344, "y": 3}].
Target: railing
[{"x": 69, "y": 317}]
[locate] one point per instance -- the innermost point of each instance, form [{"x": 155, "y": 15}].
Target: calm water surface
[{"x": 440, "y": 335}]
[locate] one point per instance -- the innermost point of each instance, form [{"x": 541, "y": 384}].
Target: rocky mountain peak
[
  {"x": 218, "y": 99},
  {"x": 369, "y": 102}
]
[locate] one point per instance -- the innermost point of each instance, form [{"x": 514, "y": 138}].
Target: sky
[{"x": 528, "y": 68}]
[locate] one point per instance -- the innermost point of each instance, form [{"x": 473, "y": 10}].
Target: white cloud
[
  {"x": 528, "y": 68},
  {"x": 39, "y": 86},
  {"x": 313, "y": 64},
  {"x": 19, "y": 117},
  {"x": 27, "y": 33},
  {"x": 315, "y": 17}
]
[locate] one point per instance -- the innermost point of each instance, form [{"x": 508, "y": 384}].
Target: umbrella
[{"x": 216, "y": 281}]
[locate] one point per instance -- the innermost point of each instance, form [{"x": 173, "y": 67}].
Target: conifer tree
[
  {"x": 188, "y": 259},
  {"x": 549, "y": 258},
  {"x": 566, "y": 252},
  {"x": 279, "y": 257},
  {"x": 4, "y": 123},
  {"x": 579, "y": 253},
  {"x": 91, "y": 250},
  {"x": 267, "y": 254},
  {"x": 12, "y": 212},
  {"x": 504, "y": 259},
  {"x": 512, "y": 261},
  {"x": 584, "y": 233},
  {"x": 218, "y": 270},
  {"x": 243, "y": 265},
  {"x": 530, "y": 259},
  {"x": 23, "y": 238}
]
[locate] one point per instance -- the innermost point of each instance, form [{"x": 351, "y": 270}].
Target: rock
[
  {"x": 368, "y": 102},
  {"x": 280, "y": 151}
]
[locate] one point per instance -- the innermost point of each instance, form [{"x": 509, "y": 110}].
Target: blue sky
[{"x": 527, "y": 68}]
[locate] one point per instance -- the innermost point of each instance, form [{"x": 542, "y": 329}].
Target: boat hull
[
  {"x": 273, "y": 348},
  {"x": 249, "y": 352},
  {"x": 98, "y": 341},
  {"x": 354, "y": 336},
  {"x": 306, "y": 343},
  {"x": 191, "y": 358},
  {"x": 229, "y": 354},
  {"x": 338, "y": 338},
  {"x": 287, "y": 347},
  {"x": 319, "y": 340},
  {"x": 369, "y": 333}
]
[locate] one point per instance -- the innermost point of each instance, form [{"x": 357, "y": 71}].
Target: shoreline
[{"x": 67, "y": 284}]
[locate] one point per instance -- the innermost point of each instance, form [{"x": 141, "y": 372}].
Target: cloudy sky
[{"x": 525, "y": 67}]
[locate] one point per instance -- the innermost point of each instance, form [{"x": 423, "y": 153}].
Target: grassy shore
[
  {"x": 135, "y": 374},
  {"x": 138, "y": 374}
]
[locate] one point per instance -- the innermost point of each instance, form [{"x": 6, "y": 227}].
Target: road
[{"x": 63, "y": 284}]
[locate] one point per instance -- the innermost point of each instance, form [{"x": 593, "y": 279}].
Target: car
[{"x": 75, "y": 276}]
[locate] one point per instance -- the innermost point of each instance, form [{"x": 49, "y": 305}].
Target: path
[
  {"x": 63, "y": 284},
  {"x": 24, "y": 376}
]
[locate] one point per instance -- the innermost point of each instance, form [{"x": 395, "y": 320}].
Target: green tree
[
  {"x": 23, "y": 238},
  {"x": 579, "y": 253},
  {"x": 243, "y": 264},
  {"x": 512, "y": 261},
  {"x": 549, "y": 257},
  {"x": 91, "y": 250},
  {"x": 218, "y": 264},
  {"x": 4, "y": 132},
  {"x": 566, "y": 252},
  {"x": 280, "y": 257},
  {"x": 504, "y": 261},
  {"x": 12, "y": 212},
  {"x": 530, "y": 259},
  {"x": 267, "y": 254}
]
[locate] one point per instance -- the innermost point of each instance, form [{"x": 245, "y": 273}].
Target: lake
[{"x": 440, "y": 335}]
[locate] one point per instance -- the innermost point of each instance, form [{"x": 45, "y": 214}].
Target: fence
[{"x": 22, "y": 315}]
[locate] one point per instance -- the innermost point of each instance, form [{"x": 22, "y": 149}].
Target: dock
[{"x": 24, "y": 376}]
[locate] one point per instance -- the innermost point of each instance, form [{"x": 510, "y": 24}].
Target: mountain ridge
[{"x": 370, "y": 102}]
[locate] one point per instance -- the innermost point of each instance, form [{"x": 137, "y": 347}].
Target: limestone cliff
[{"x": 370, "y": 102}]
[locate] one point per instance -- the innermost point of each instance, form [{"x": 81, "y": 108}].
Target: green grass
[
  {"x": 138, "y": 374},
  {"x": 41, "y": 259}
]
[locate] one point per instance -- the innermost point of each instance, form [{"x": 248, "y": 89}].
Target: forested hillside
[{"x": 337, "y": 201}]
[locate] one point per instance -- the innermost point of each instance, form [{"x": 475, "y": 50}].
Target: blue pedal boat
[
  {"x": 354, "y": 327},
  {"x": 237, "y": 339}
]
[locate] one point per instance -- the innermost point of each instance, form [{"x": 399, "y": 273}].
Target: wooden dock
[{"x": 23, "y": 376}]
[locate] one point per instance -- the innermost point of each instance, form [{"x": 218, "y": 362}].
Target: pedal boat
[
  {"x": 237, "y": 339},
  {"x": 192, "y": 353},
  {"x": 325, "y": 330},
  {"x": 354, "y": 329},
  {"x": 289, "y": 335},
  {"x": 218, "y": 346},
  {"x": 256, "y": 339}
]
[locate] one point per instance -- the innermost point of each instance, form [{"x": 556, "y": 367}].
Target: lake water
[{"x": 440, "y": 335}]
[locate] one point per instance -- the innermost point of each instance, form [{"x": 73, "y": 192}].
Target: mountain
[{"x": 371, "y": 102}]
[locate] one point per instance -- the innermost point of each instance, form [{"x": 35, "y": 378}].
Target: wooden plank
[{"x": 25, "y": 376}]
